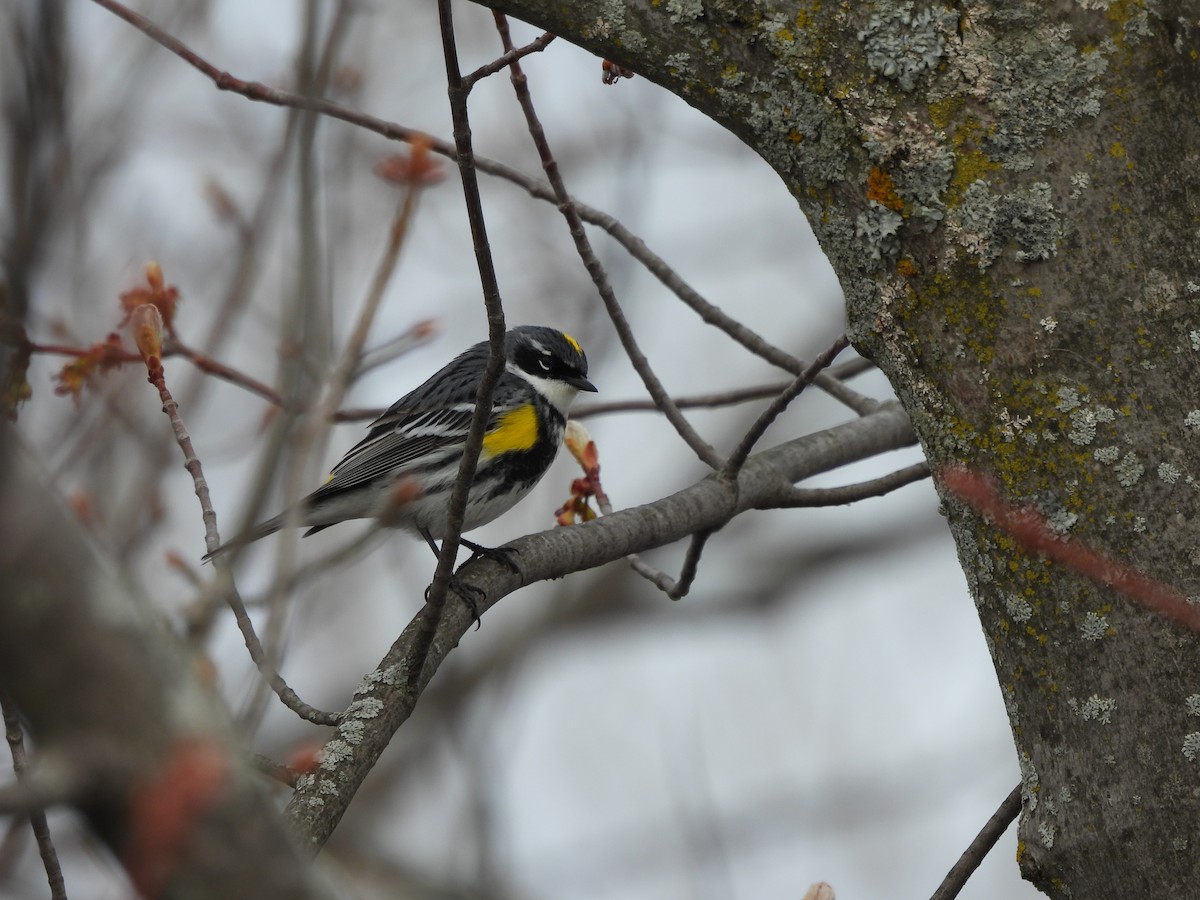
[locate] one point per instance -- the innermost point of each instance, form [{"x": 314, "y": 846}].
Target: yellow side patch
[
  {"x": 518, "y": 430},
  {"x": 574, "y": 343}
]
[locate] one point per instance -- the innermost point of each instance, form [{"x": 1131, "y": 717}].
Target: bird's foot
[{"x": 502, "y": 555}]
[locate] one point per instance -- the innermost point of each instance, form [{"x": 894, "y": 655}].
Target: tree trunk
[{"x": 1009, "y": 193}]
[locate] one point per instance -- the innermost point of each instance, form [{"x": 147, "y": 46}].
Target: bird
[{"x": 404, "y": 470}]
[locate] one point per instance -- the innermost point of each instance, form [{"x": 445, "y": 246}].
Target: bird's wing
[
  {"x": 390, "y": 447},
  {"x": 415, "y": 426}
]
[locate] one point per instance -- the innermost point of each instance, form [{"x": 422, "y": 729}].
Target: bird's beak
[{"x": 578, "y": 381}]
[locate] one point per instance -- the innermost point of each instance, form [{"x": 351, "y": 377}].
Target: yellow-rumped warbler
[{"x": 405, "y": 467}]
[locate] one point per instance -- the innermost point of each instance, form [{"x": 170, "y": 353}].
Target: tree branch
[
  {"x": 14, "y": 734},
  {"x": 979, "y": 848},
  {"x": 458, "y": 93},
  {"x": 595, "y": 268},
  {"x": 389, "y": 693}
]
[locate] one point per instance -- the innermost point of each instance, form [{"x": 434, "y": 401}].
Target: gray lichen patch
[
  {"x": 1094, "y": 709},
  {"x": 1094, "y": 627},
  {"x": 794, "y": 129},
  {"x": 1018, "y": 608},
  {"x": 878, "y": 228},
  {"x": 1129, "y": 470},
  {"x": 987, "y": 223},
  {"x": 902, "y": 43},
  {"x": 1035, "y": 80},
  {"x": 1168, "y": 474},
  {"x": 682, "y": 11},
  {"x": 364, "y": 708},
  {"x": 1191, "y": 745}
]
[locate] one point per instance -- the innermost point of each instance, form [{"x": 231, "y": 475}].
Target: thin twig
[
  {"x": 852, "y": 493},
  {"x": 738, "y": 457},
  {"x": 174, "y": 347},
  {"x": 458, "y": 93},
  {"x": 537, "y": 45},
  {"x": 694, "y": 401},
  {"x": 198, "y": 614},
  {"x": 212, "y": 539},
  {"x": 592, "y": 263},
  {"x": 691, "y": 562},
  {"x": 308, "y": 441},
  {"x": 157, "y": 377},
  {"x": 957, "y": 877},
  {"x": 714, "y": 400},
  {"x": 258, "y": 655},
  {"x": 261, "y": 93},
  {"x": 272, "y": 769},
  {"x": 590, "y": 410},
  {"x": 73, "y": 351},
  {"x": 851, "y": 368},
  {"x": 674, "y": 282},
  {"x": 14, "y": 733},
  {"x": 352, "y": 353},
  {"x": 675, "y": 588},
  {"x": 394, "y": 348},
  {"x": 1033, "y": 532},
  {"x": 210, "y": 366},
  {"x": 297, "y": 141}
]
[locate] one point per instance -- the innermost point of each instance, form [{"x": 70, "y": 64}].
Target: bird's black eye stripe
[{"x": 543, "y": 362}]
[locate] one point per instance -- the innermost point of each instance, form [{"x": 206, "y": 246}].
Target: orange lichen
[{"x": 882, "y": 190}]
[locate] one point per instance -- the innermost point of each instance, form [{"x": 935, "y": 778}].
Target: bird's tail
[{"x": 261, "y": 530}]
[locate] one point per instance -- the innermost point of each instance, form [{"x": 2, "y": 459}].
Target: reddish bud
[
  {"x": 146, "y": 323},
  {"x": 405, "y": 490},
  {"x": 166, "y": 806},
  {"x": 305, "y": 758},
  {"x": 156, "y": 293},
  {"x": 580, "y": 445},
  {"x": 567, "y": 513},
  {"x": 347, "y": 79},
  {"x": 100, "y": 357},
  {"x": 416, "y": 169},
  {"x": 14, "y": 392},
  {"x": 611, "y": 73},
  {"x": 83, "y": 505},
  {"x": 205, "y": 669}
]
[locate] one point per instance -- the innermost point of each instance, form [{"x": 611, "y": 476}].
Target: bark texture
[
  {"x": 125, "y": 730},
  {"x": 1010, "y": 195}
]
